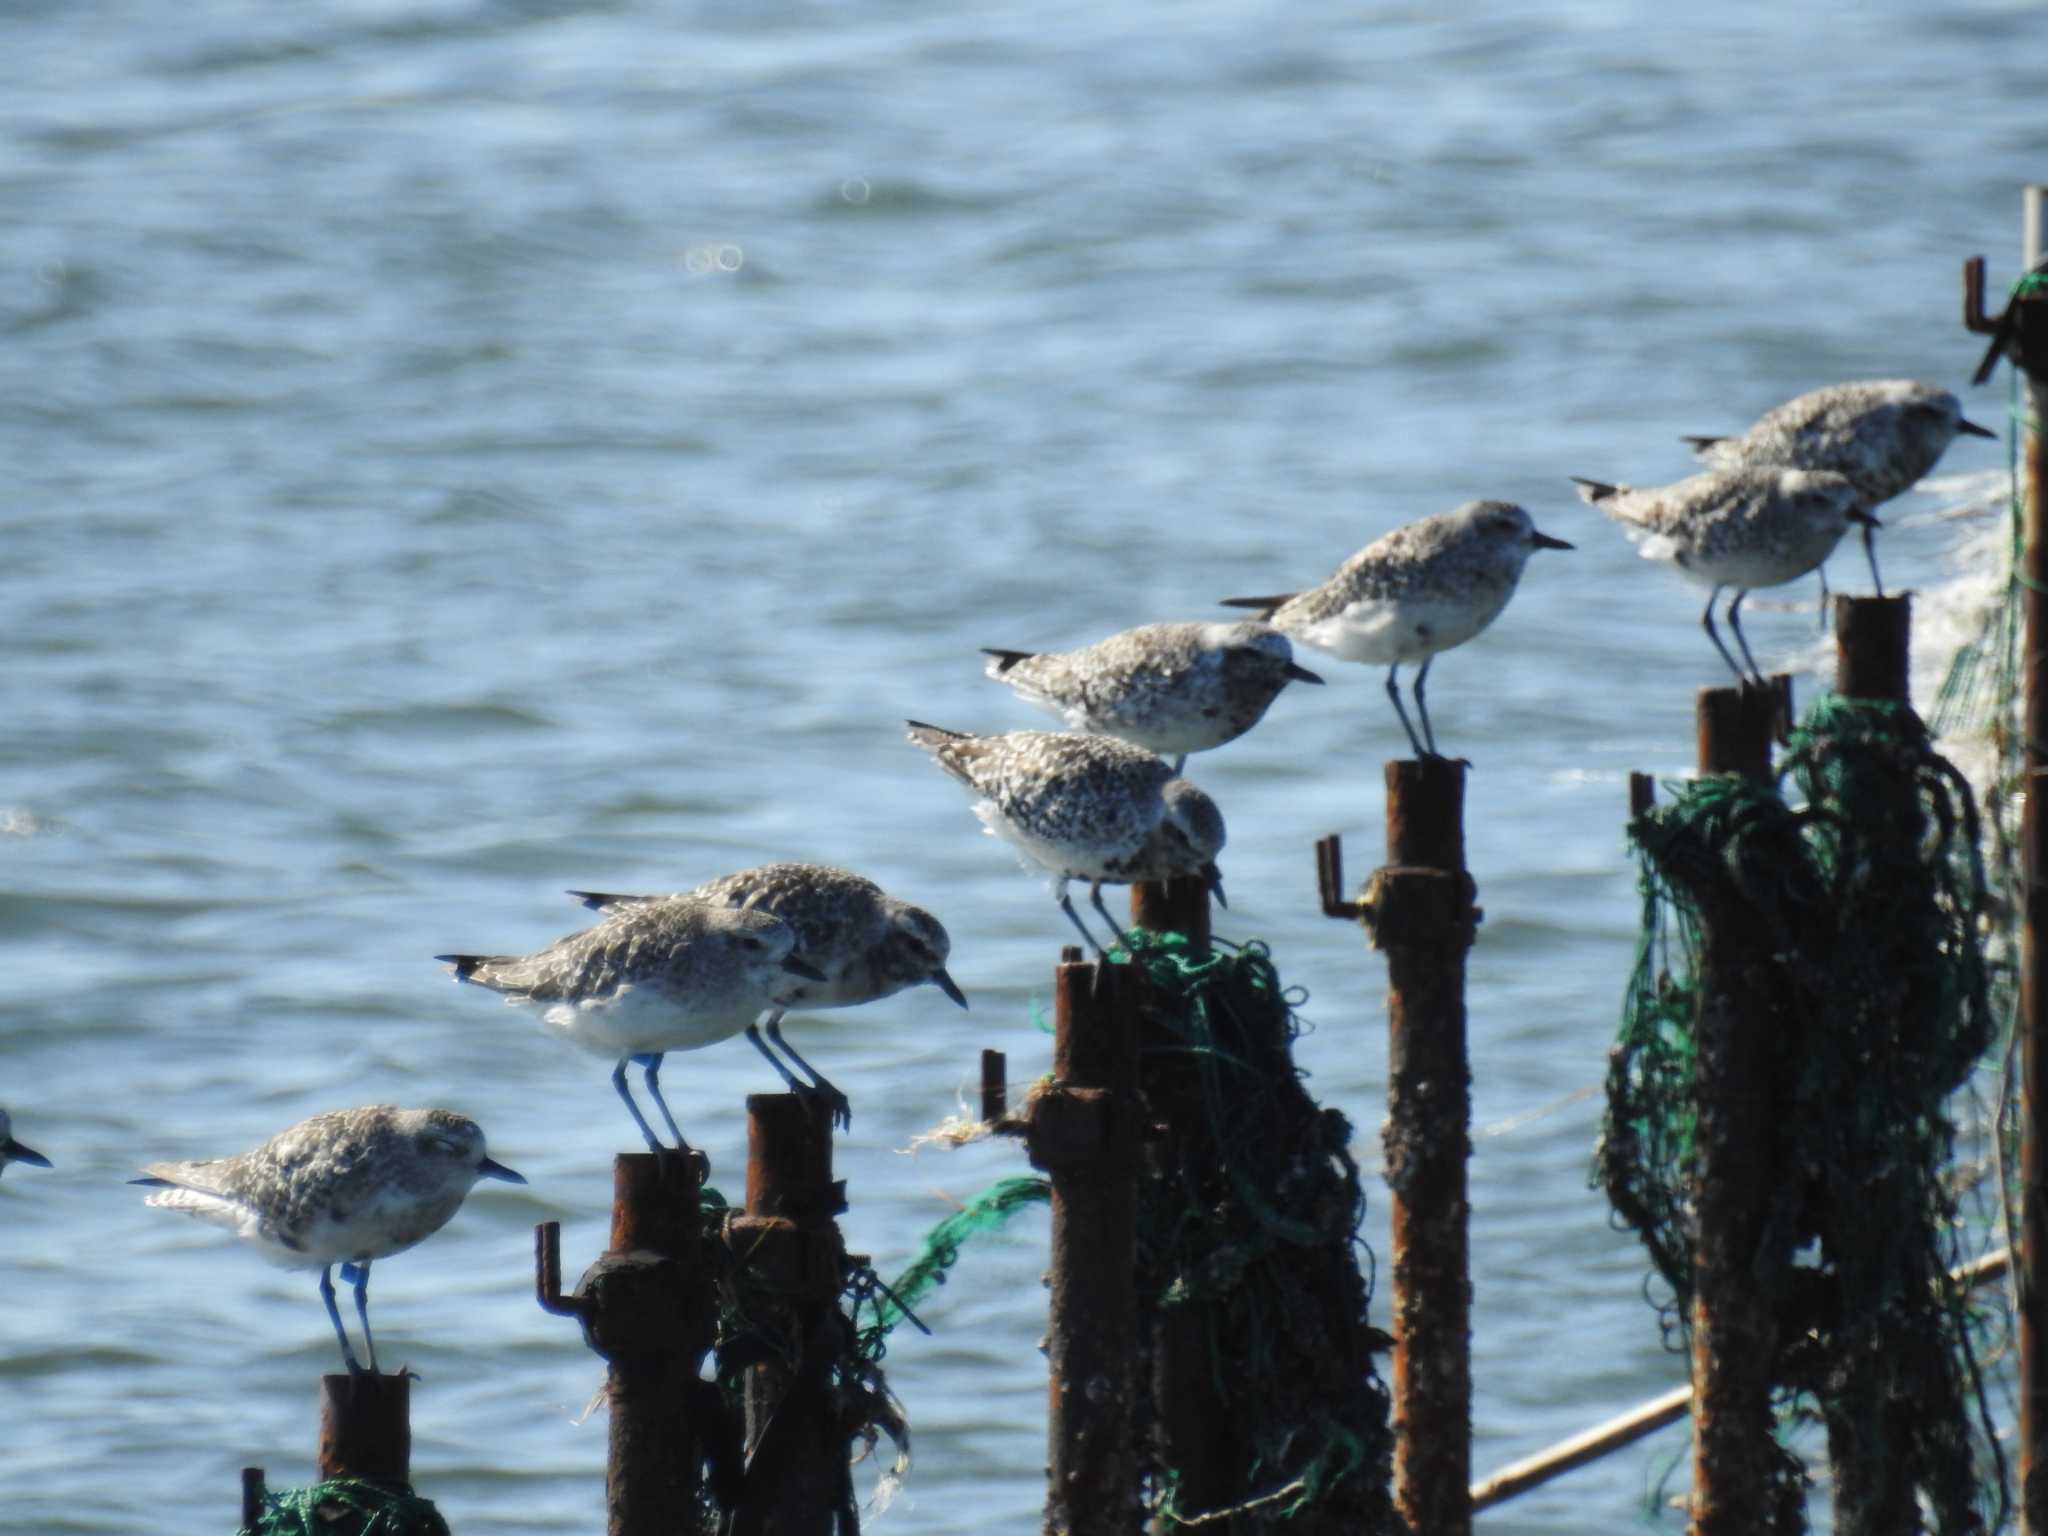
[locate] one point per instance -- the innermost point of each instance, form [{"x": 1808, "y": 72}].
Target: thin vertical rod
[{"x": 2033, "y": 1259}]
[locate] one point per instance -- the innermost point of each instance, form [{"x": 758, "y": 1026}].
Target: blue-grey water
[{"x": 455, "y": 451}]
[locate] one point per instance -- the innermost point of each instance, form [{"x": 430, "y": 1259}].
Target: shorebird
[
  {"x": 650, "y": 979},
  {"x": 1169, "y": 688},
  {"x": 1742, "y": 528},
  {"x": 346, "y": 1187},
  {"x": 1421, "y": 589},
  {"x": 1085, "y": 808},
  {"x": 864, "y": 943}
]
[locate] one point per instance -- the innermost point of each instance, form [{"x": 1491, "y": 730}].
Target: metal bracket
[{"x": 1330, "y": 880}]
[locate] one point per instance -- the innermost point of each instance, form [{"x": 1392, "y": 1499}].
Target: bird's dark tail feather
[
  {"x": 466, "y": 965},
  {"x": 1701, "y": 444},
  {"x": 1266, "y": 605},
  {"x": 1005, "y": 659},
  {"x": 1594, "y": 490}
]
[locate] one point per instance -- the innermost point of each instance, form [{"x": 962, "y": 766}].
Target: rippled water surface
[{"x": 458, "y": 451}]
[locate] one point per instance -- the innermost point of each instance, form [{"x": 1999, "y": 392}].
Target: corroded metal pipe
[
  {"x": 1420, "y": 909},
  {"x": 1734, "y": 1331},
  {"x": 797, "y": 1482},
  {"x": 647, "y": 1307},
  {"x": 365, "y": 1427},
  {"x": 1084, "y": 1134}
]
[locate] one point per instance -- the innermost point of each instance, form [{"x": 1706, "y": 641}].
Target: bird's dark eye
[{"x": 751, "y": 943}]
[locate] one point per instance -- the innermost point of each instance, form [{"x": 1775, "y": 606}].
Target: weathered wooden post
[
  {"x": 1084, "y": 1133},
  {"x": 647, "y": 1307},
  {"x": 797, "y": 1481},
  {"x": 1734, "y": 1329},
  {"x": 1419, "y": 906},
  {"x": 2021, "y": 335}
]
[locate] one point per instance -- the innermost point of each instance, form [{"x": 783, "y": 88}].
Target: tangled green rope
[
  {"x": 1252, "y": 1231},
  {"x": 1873, "y": 889},
  {"x": 347, "y": 1506},
  {"x": 941, "y": 1247}
]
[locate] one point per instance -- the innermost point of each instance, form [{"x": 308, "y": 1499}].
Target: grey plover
[
  {"x": 1425, "y": 587},
  {"x": 1741, "y": 528},
  {"x": 1085, "y": 808},
  {"x": 12, "y": 1151},
  {"x": 346, "y": 1187},
  {"x": 651, "y": 978},
  {"x": 1169, "y": 688},
  {"x": 1884, "y": 434},
  {"x": 864, "y": 942}
]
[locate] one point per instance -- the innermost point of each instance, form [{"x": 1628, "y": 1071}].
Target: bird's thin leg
[
  {"x": 789, "y": 1078},
  {"x": 1714, "y": 635},
  {"x": 1422, "y": 704},
  {"x": 619, "y": 1082},
  {"x": 1823, "y": 574},
  {"x": 1067, "y": 906},
  {"x": 1179, "y": 763},
  {"x": 362, "y": 1283},
  {"x": 348, "y": 1356},
  {"x": 1735, "y": 623},
  {"x": 1394, "y": 693},
  {"x": 650, "y": 1071},
  {"x": 1870, "y": 549},
  {"x": 1095, "y": 900},
  {"x": 842, "y": 1110}
]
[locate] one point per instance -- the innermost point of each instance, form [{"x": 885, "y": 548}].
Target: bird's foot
[{"x": 842, "y": 1108}]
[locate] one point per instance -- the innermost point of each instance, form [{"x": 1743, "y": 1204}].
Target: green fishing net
[{"x": 1863, "y": 865}]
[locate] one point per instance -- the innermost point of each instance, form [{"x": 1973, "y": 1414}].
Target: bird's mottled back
[
  {"x": 1883, "y": 434},
  {"x": 682, "y": 947},
  {"x": 1168, "y": 688},
  {"x": 401, "y": 1172}
]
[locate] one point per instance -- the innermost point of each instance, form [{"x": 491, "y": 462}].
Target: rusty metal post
[
  {"x": 1192, "y": 1413},
  {"x": 252, "y": 1497},
  {"x": 1173, "y": 906},
  {"x": 797, "y": 1480},
  {"x": 2021, "y": 334},
  {"x": 1084, "y": 1134},
  {"x": 1873, "y": 647},
  {"x": 1874, "y": 1490},
  {"x": 365, "y": 1427},
  {"x": 1734, "y": 1333},
  {"x": 1420, "y": 908},
  {"x": 647, "y": 1307},
  {"x": 995, "y": 1085}
]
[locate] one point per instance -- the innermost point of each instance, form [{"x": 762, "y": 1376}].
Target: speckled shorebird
[
  {"x": 346, "y": 1187},
  {"x": 650, "y": 979},
  {"x": 1740, "y": 528},
  {"x": 1423, "y": 588},
  {"x": 1884, "y": 434},
  {"x": 1086, "y": 808},
  {"x": 1169, "y": 688},
  {"x": 12, "y": 1151},
  {"x": 864, "y": 943}
]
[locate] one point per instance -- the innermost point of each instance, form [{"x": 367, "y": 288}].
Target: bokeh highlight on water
[{"x": 461, "y": 451}]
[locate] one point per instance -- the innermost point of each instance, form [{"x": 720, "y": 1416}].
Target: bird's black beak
[
  {"x": 1867, "y": 518},
  {"x": 491, "y": 1169},
  {"x": 1301, "y": 674},
  {"x": 1545, "y": 541},
  {"x": 797, "y": 967},
  {"x": 1213, "y": 878},
  {"x": 16, "y": 1152},
  {"x": 947, "y": 985},
  {"x": 1974, "y": 430}
]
